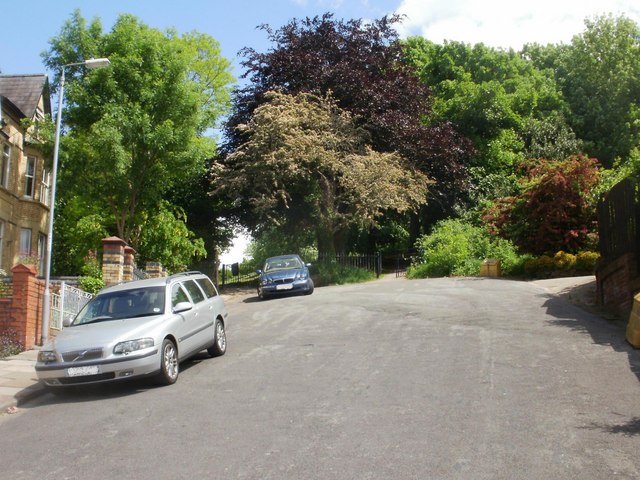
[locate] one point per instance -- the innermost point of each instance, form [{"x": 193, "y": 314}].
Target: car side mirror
[
  {"x": 259, "y": 272},
  {"x": 308, "y": 264},
  {"x": 182, "y": 307},
  {"x": 67, "y": 322}
]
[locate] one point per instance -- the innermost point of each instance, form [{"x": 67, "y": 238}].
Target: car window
[
  {"x": 207, "y": 286},
  {"x": 178, "y": 295},
  {"x": 133, "y": 303},
  {"x": 282, "y": 264},
  {"x": 196, "y": 294}
]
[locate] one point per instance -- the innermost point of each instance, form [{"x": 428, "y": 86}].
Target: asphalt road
[{"x": 394, "y": 379}]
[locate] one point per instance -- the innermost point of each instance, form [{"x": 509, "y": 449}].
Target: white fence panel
[{"x": 67, "y": 304}]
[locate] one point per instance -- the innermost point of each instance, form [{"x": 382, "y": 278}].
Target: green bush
[
  {"x": 458, "y": 248},
  {"x": 335, "y": 274},
  {"x": 91, "y": 284},
  {"x": 91, "y": 279}
]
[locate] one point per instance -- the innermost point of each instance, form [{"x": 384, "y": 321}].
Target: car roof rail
[{"x": 183, "y": 274}]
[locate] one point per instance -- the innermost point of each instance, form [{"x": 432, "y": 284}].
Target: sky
[{"x": 28, "y": 25}]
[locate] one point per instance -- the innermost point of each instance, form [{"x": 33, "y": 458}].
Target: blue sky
[{"x": 27, "y": 25}]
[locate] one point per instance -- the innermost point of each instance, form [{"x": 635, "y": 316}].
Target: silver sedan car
[{"x": 139, "y": 328}]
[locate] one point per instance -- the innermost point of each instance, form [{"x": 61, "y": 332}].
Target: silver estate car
[{"x": 139, "y": 328}]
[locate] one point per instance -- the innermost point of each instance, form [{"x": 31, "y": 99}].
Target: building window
[
  {"x": 30, "y": 177},
  {"x": 45, "y": 187},
  {"x": 4, "y": 166},
  {"x": 25, "y": 242}
]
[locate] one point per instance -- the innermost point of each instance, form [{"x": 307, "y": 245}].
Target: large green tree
[
  {"x": 600, "y": 78},
  {"x": 492, "y": 96},
  {"x": 137, "y": 129},
  {"x": 306, "y": 165}
]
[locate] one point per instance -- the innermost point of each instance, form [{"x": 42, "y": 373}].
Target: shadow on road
[{"x": 604, "y": 330}]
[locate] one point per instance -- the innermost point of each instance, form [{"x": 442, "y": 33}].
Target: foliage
[
  {"x": 135, "y": 129},
  {"x": 360, "y": 65},
  {"x": 305, "y": 161},
  {"x": 459, "y": 248},
  {"x": 78, "y": 229},
  {"x": 555, "y": 209},
  {"x": 491, "y": 95},
  {"x": 166, "y": 239},
  {"x": 336, "y": 274},
  {"x": 91, "y": 284},
  {"x": 562, "y": 263},
  {"x": 549, "y": 138},
  {"x": 91, "y": 279},
  {"x": 273, "y": 242},
  {"x": 627, "y": 168},
  {"x": 600, "y": 78}
]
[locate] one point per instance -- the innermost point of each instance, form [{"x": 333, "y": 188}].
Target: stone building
[{"x": 24, "y": 175}]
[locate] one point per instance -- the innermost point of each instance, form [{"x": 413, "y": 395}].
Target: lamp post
[{"x": 91, "y": 64}]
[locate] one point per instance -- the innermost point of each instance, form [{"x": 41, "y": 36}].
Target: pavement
[{"x": 19, "y": 384}]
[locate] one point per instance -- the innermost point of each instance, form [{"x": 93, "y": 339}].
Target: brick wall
[
  {"x": 617, "y": 282},
  {"x": 22, "y": 312}
]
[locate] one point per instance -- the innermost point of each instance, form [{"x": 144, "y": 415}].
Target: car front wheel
[
  {"x": 219, "y": 346},
  {"x": 169, "y": 368}
]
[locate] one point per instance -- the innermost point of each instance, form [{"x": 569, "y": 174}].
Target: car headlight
[
  {"x": 133, "y": 345},
  {"x": 301, "y": 276},
  {"x": 267, "y": 281},
  {"x": 46, "y": 356}
]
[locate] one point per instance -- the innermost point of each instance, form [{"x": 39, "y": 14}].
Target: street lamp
[{"x": 91, "y": 64}]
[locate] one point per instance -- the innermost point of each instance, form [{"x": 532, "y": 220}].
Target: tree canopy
[
  {"x": 137, "y": 129},
  {"x": 306, "y": 165},
  {"x": 360, "y": 65}
]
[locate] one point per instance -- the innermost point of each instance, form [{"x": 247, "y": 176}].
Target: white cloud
[{"x": 499, "y": 23}]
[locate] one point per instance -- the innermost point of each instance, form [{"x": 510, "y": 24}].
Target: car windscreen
[
  {"x": 282, "y": 264},
  {"x": 133, "y": 303}
]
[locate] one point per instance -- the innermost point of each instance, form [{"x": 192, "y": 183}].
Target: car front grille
[
  {"x": 281, "y": 281},
  {"x": 82, "y": 355}
]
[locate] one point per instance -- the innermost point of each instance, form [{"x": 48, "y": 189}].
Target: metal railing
[
  {"x": 372, "y": 261},
  {"x": 67, "y": 304}
]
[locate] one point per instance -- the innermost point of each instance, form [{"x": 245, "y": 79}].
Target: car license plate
[
  {"x": 286, "y": 286},
  {"x": 81, "y": 371}
]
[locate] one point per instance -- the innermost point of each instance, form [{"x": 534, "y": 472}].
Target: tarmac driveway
[{"x": 442, "y": 378}]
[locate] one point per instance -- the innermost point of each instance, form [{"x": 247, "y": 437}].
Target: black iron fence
[
  {"x": 372, "y": 262},
  {"x": 618, "y": 219},
  {"x": 232, "y": 276}
]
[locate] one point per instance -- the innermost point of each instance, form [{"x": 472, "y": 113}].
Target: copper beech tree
[{"x": 306, "y": 164}]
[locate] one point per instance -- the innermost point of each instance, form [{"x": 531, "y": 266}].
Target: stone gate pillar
[{"x": 113, "y": 260}]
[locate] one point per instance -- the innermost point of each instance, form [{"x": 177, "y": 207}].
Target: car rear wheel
[
  {"x": 219, "y": 346},
  {"x": 169, "y": 367}
]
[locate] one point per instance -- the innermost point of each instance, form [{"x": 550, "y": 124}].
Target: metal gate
[{"x": 67, "y": 304}]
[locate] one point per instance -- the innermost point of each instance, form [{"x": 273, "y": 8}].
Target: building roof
[{"x": 25, "y": 91}]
